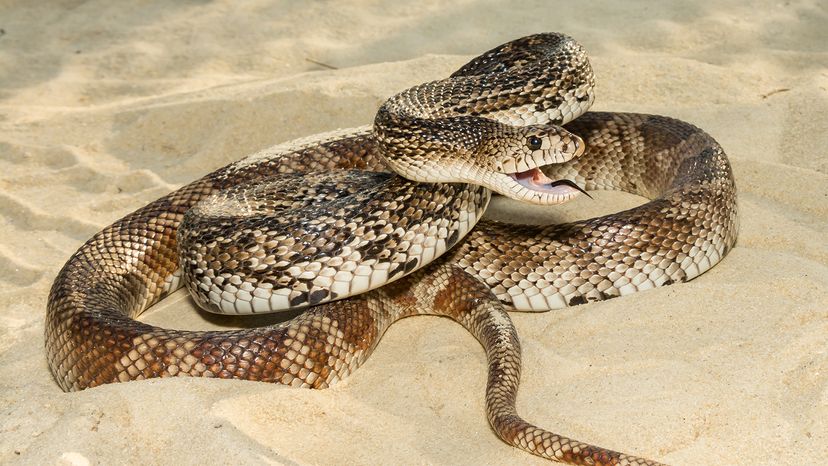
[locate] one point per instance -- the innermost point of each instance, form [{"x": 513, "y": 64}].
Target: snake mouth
[{"x": 535, "y": 180}]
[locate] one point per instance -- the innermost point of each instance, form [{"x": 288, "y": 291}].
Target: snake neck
[{"x": 496, "y": 122}]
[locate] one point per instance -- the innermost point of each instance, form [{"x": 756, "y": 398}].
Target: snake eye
[{"x": 533, "y": 142}]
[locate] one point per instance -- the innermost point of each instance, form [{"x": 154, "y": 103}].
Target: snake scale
[{"x": 306, "y": 223}]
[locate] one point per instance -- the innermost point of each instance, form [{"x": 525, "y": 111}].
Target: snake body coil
[{"x": 296, "y": 225}]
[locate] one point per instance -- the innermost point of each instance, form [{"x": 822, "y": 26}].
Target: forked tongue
[{"x": 536, "y": 180}]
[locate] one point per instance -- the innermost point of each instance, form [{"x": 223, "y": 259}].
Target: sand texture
[{"x": 105, "y": 106}]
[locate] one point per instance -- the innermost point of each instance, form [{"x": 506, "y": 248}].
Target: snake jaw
[
  {"x": 556, "y": 191},
  {"x": 530, "y": 184}
]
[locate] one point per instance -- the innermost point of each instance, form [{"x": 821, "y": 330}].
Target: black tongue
[{"x": 571, "y": 184}]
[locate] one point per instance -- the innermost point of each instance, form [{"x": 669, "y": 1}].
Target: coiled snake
[{"x": 312, "y": 221}]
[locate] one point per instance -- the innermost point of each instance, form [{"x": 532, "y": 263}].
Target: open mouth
[{"x": 535, "y": 180}]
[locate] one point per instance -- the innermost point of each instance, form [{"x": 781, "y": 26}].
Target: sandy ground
[{"x": 105, "y": 106}]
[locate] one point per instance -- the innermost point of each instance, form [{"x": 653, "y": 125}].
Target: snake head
[
  {"x": 503, "y": 157},
  {"x": 514, "y": 161}
]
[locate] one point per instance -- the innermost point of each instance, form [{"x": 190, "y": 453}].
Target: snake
[{"x": 359, "y": 228}]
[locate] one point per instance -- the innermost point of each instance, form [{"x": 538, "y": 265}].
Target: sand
[{"x": 105, "y": 106}]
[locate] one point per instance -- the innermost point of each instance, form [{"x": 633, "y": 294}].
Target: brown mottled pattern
[
  {"x": 473, "y": 126},
  {"x": 444, "y": 289},
  {"x": 305, "y": 239},
  {"x": 92, "y": 337},
  {"x": 689, "y": 225}
]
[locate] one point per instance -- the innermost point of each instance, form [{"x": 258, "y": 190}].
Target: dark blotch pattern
[{"x": 92, "y": 337}]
